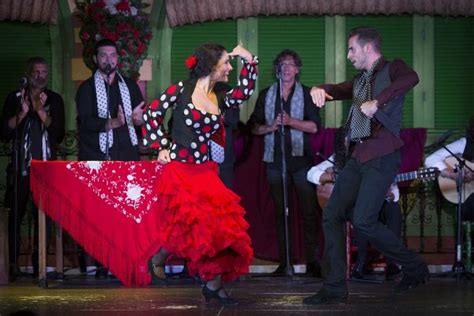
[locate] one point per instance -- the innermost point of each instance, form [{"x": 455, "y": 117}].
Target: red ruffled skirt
[{"x": 200, "y": 220}]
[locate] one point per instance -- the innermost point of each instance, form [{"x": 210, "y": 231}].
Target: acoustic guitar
[
  {"x": 324, "y": 191},
  {"x": 448, "y": 185}
]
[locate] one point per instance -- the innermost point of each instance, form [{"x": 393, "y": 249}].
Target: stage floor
[{"x": 258, "y": 295}]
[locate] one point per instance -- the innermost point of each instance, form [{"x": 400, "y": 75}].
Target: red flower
[
  {"x": 98, "y": 17},
  {"x": 121, "y": 27},
  {"x": 141, "y": 48},
  {"x": 132, "y": 34},
  {"x": 190, "y": 62},
  {"x": 123, "y": 6},
  {"x": 95, "y": 6},
  {"x": 85, "y": 36}
]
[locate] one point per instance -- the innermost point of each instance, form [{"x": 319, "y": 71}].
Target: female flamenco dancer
[{"x": 201, "y": 219}]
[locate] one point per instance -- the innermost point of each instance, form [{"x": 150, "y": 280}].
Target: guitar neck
[{"x": 406, "y": 176}]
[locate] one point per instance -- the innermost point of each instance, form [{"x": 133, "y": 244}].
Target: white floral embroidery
[
  {"x": 94, "y": 165},
  {"x": 122, "y": 185},
  {"x": 134, "y": 192}
]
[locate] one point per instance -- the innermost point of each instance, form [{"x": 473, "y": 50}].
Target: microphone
[
  {"x": 278, "y": 71},
  {"x": 23, "y": 82},
  {"x": 108, "y": 69}
]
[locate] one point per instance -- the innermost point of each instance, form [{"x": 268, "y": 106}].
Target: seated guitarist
[
  {"x": 465, "y": 147},
  {"x": 390, "y": 213}
]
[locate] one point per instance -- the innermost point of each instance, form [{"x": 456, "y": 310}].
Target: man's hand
[
  {"x": 116, "y": 122},
  {"x": 42, "y": 101},
  {"x": 389, "y": 196},
  {"x": 120, "y": 116},
  {"x": 327, "y": 176},
  {"x": 468, "y": 176},
  {"x": 451, "y": 174},
  {"x": 448, "y": 173},
  {"x": 320, "y": 96},
  {"x": 284, "y": 119},
  {"x": 273, "y": 127},
  {"x": 39, "y": 108},
  {"x": 25, "y": 104},
  {"x": 137, "y": 114},
  {"x": 369, "y": 108}
]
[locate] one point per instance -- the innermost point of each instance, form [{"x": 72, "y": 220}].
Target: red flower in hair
[{"x": 190, "y": 62}]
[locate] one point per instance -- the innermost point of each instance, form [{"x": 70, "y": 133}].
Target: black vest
[{"x": 389, "y": 114}]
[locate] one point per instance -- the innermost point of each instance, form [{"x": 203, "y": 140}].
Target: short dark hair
[
  {"x": 33, "y": 61},
  {"x": 102, "y": 43},
  {"x": 366, "y": 35},
  {"x": 284, "y": 54},
  {"x": 207, "y": 56}
]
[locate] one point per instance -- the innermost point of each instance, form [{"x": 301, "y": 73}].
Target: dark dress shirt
[
  {"x": 311, "y": 113},
  {"x": 90, "y": 124}
]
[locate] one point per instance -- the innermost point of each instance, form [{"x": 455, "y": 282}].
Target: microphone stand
[
  {"x": 289, "y": 270},
  {"x": 16, "y": 170},
  {"x": 107, "y": 85},
  {"x": 16, "y": 175},
  {"x": 458, "y": 268}
]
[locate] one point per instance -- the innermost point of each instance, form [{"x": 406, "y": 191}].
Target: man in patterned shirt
[{"x": 109, "y": 106}]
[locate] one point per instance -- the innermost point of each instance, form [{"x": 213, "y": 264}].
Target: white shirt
[
  {"x": 436, "y": 159},
  {"x": 314, "y": 176}
]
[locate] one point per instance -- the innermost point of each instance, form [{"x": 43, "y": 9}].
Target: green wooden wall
[
  {"x": 440, "y": 49},
  {"x": 187, "y": 38},
  {"x": 453, "y": 71},
  {"x": 20, "y": 42}
]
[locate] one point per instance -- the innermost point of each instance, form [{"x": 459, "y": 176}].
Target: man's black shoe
[
  {"x": 313, "y": 269},
  {"x": 392, "y": 271},
  {"x": 359, "y": 270},
  {"x": 325, "y": 297},
  {"x": 412, "y": 279}
]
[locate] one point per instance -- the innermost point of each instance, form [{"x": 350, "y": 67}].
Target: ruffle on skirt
[{"x": 201, "y": 221}]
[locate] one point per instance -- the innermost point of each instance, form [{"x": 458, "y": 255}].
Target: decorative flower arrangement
[{"x": 121, "y": 21}]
